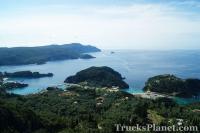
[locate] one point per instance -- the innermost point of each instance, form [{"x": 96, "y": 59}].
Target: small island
[
  {"x": 174, "y": 86},
  {"x": 99, "y": 77},
  {"x": 86, "y": 56},
  {"x": 26, "y": 74}
]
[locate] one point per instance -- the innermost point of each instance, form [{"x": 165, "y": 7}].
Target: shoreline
[{"x": 151, "y": 95}]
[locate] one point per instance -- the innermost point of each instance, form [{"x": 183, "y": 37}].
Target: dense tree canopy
[
  {"x": 173, "y": 85},
  {"x": 99, "y": 76},
  {"x": 83, "y": 108},
  {"x": 88, "y": 110}
]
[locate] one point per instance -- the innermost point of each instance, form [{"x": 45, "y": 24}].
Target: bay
[{"x": 135, "y": 65}]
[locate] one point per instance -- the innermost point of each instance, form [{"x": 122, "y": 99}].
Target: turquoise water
[
  {"x": 134, "y": 90},
  {"x": 184, "y": 101},
  {"x": 135, "y": 65}
]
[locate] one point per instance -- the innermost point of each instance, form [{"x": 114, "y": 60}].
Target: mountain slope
[
  {"x": 100, "y": 77},
  {"x": 42, "y": 54}
]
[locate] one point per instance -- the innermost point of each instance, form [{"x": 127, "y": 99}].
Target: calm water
[{"x": 136, "y": 66}]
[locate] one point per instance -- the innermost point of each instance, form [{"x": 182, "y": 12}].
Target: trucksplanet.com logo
[{"x": 156, "y": 128}]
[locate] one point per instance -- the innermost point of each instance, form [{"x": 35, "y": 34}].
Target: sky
[{"x": 107, "y": 24}]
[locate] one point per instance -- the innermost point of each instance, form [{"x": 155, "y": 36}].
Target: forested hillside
[{"x": 42, "y": 54}]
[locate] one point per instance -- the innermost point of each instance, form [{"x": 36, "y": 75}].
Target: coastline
[{"x": 151, "y": 95}]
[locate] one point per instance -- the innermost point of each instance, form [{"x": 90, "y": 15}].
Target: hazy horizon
[
  {"x": 109, "y": 49},
  {"x": 113, "y": 24}
]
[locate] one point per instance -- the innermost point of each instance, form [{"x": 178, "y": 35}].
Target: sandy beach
[{"x": 150, "y": 95}]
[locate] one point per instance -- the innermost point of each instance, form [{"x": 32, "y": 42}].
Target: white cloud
[{"x": 138, "y": 26}]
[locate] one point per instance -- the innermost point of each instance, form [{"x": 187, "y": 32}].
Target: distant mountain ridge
[{"x": 42, "y": 54}]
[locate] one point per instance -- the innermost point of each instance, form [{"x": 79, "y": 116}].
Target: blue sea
[{"x": 135, "y": 65}]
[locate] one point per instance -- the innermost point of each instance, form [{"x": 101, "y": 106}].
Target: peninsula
[
  {"x": 174, "y": 86},
  {"x": 99, "y": 77},
  {"x": 42, "y": 54}
]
